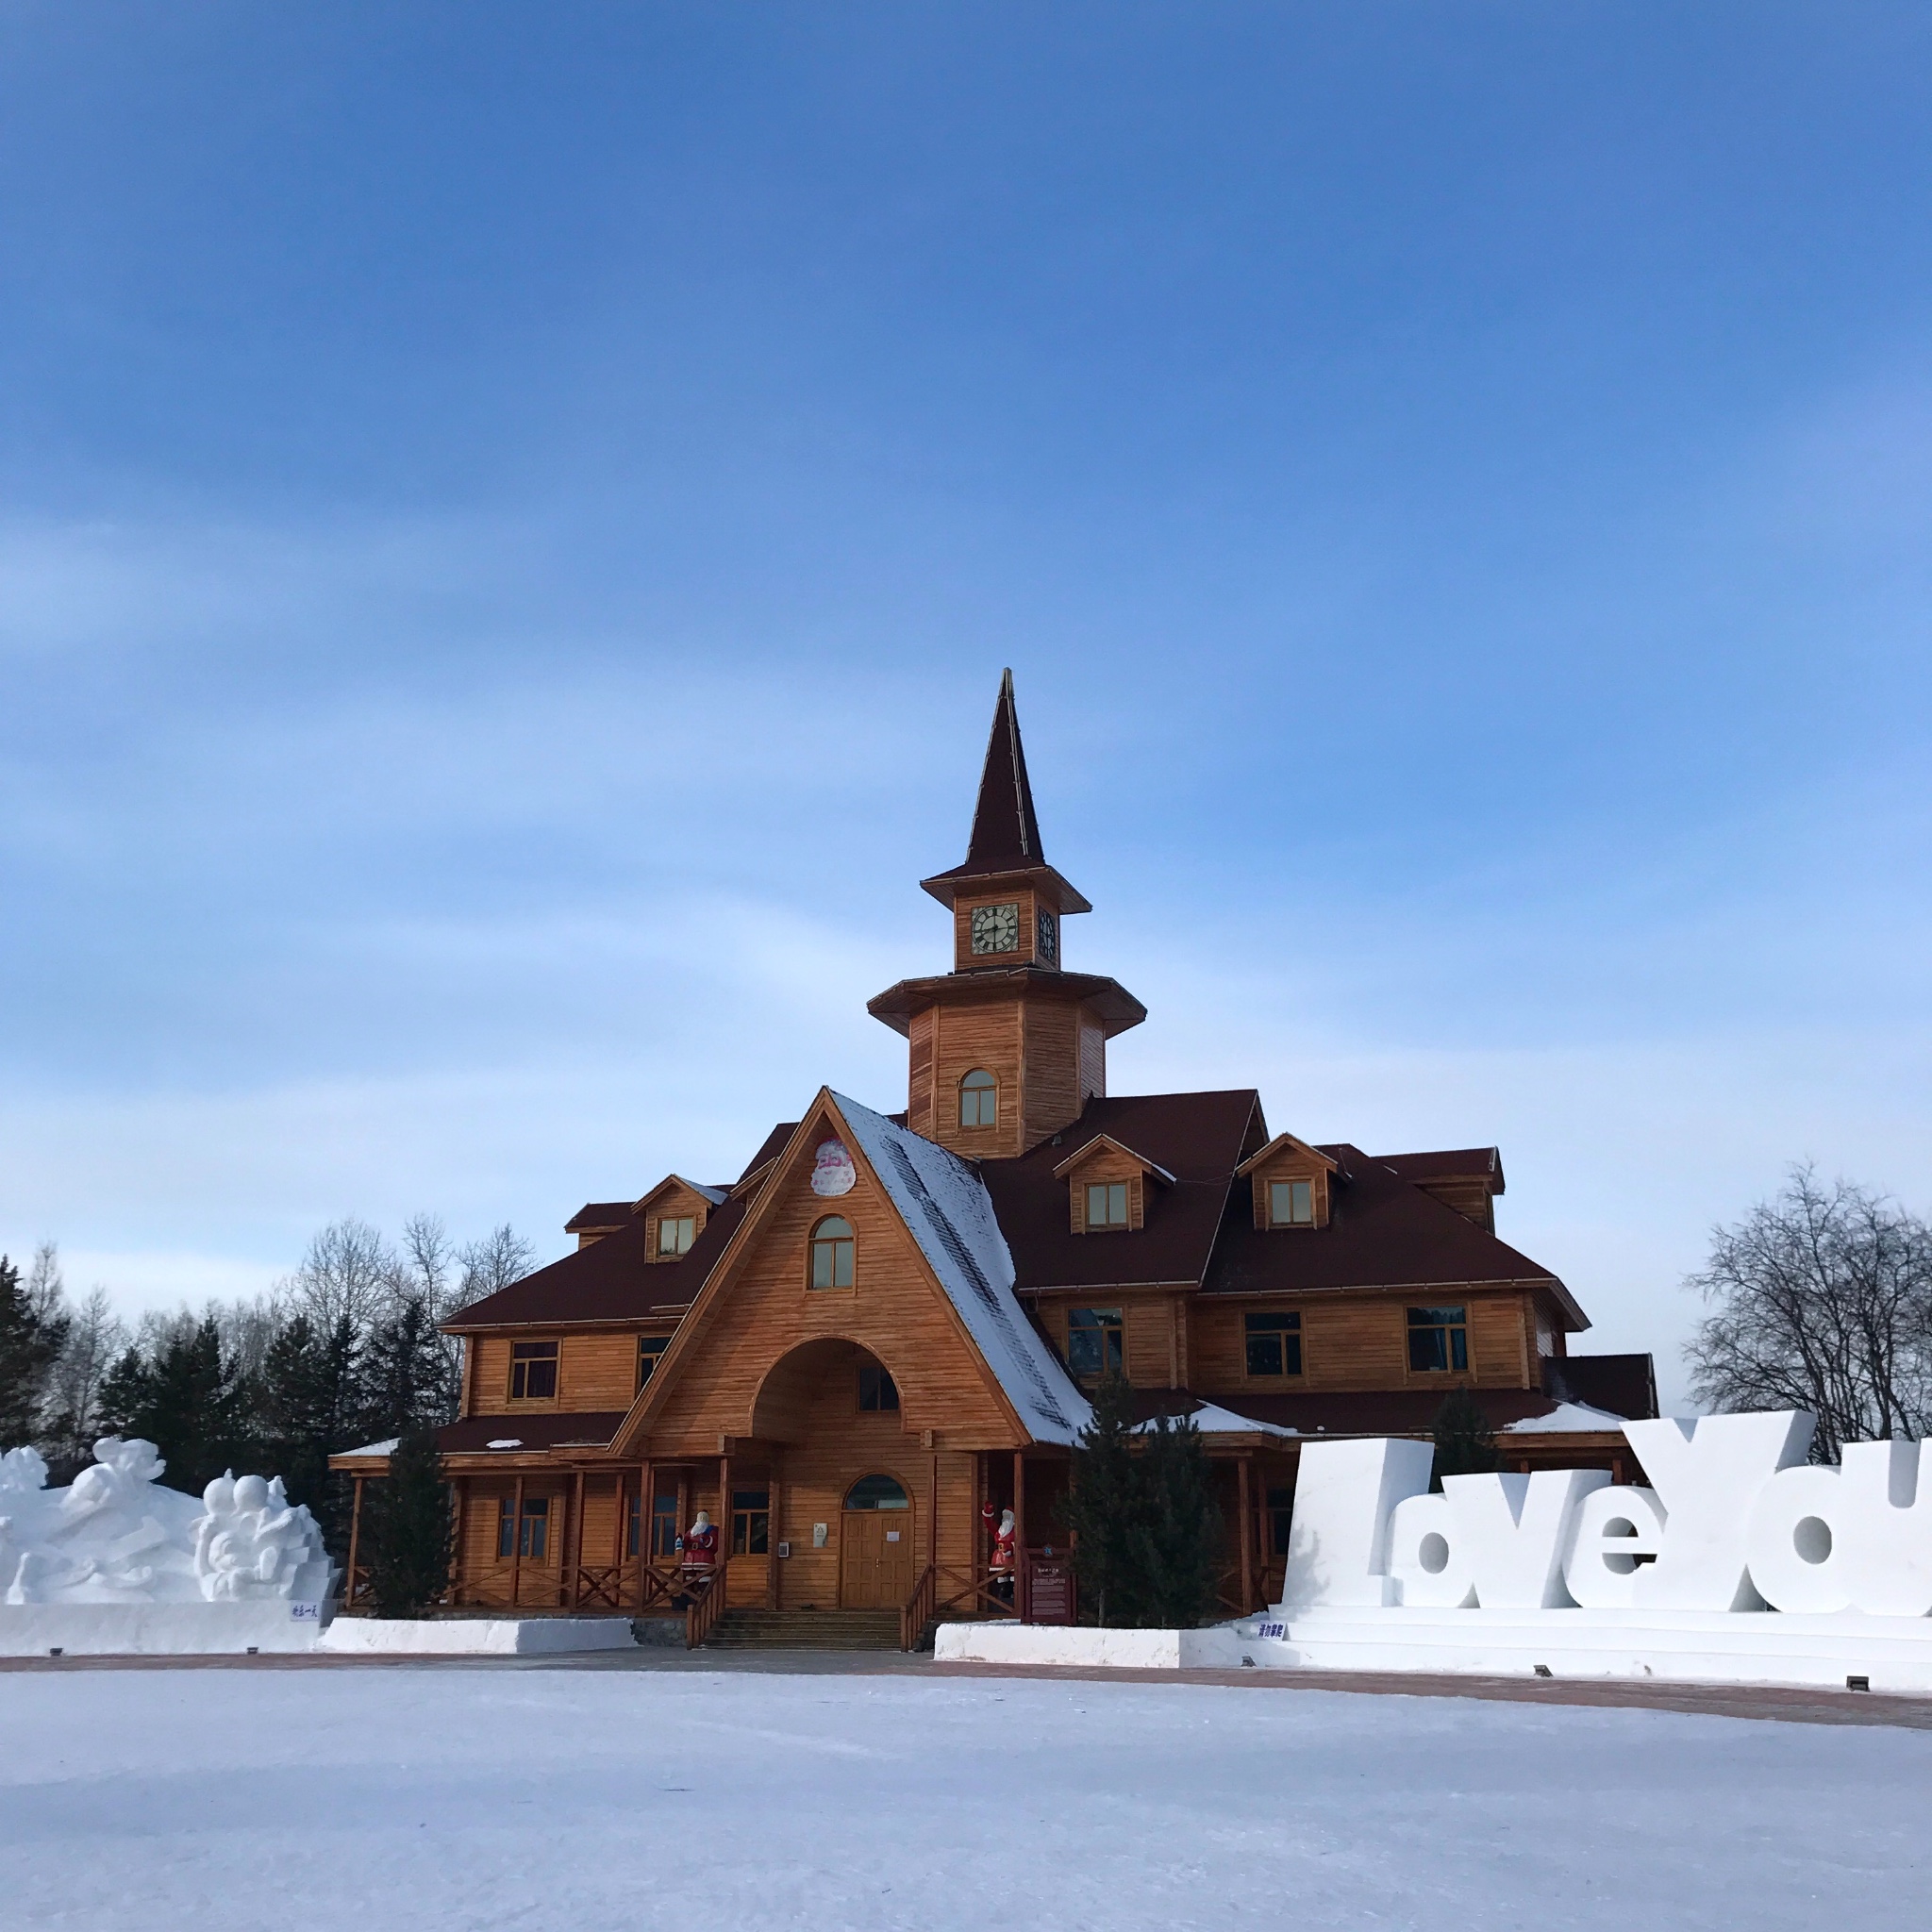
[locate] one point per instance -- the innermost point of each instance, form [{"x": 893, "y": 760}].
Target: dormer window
[
  {"x": 1291, "y": 1204},
  {"x": 1107, "y": 1204},
  {"x": 676, "y": 1233},
  {"x": 979, "y": 1100},
  {"x": 1108, "y": 1186}
]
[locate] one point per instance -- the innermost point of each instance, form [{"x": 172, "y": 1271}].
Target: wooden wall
[
  {"x": 766, "y": 1310},
  {"x": 596, "y": 1368}
]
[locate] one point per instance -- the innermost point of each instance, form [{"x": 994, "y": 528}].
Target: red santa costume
[
  {"x": 1001, "y": 1534},
  {"x": 701, "y": 1545}
]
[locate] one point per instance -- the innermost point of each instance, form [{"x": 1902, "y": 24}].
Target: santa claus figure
[
  {"x": 1000, "y": 1535},
  {"x": 699, "y": 1546}
]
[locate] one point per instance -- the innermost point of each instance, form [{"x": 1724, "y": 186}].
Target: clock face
[
  {"x": 1049, "y": 944},
  {"x": 997, "y": 928}
]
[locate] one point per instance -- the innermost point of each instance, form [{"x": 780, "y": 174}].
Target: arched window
[
  {"x": 876, "y": 1493},
  {"x": 979, "y": 1100},
  {"x": 831, "y": 1253}
]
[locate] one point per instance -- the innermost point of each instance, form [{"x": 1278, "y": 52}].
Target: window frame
[
  {"x": 848, "y": 1241},
  {"x": 648, "y": 1364},
  {"x": 985, "y": 1089},
  {"x": 663, "y": 1526},
  {"x": 680, "y": 1221},
  {"x": 889, "y": 1386},
  {"x": 1109, "y": 1327},
  {"x": 1107, "y": 1189},
  {"x": 1448, "y": 1321},
  {"x": 535, "y": 1514},
  {"x": 1284, "y": 1325},
  {"x": 756, "y": 1521},
  {"x": 1288, "y": 1183},
  {"x": 535, "y": 1358}
]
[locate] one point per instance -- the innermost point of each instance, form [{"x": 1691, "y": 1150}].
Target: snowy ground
[{"x": 440, "y": 1798}]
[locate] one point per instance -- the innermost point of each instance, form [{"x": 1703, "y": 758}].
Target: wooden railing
[
  {"x": 919, "y": 1609},
  {"x": 708, "y": 1594}
]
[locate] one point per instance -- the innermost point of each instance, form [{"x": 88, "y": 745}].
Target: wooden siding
[
  {"x": 765, "y": 1311},
  {"x": 1093, "y": 1061},
  {"x": 595, "y": 1370},
  {"x": 1289, "y": 1165}
]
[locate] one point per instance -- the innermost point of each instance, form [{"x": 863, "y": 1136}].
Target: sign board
[
  {"x": 832, "y": 1172},
  {"x": 1050, "y": 1595}
]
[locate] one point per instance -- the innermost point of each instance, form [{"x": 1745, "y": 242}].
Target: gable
[{"x": 930, "y": 1297}]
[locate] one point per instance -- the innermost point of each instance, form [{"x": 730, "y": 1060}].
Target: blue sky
[{"x": 510, "y": 521}]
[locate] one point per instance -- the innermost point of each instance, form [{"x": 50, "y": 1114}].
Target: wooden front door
[{"x": 875, "y": 1558}]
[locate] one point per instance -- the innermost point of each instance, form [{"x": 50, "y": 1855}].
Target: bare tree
[
  {"x": 502, "y": 1255},
  {"x": 1822, "y": 1301},
  {"x": 95, "y": 1339},
  {"x": 349, "y": 1272}
]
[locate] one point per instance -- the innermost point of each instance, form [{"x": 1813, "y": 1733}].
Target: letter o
[
  {"x": 1425, "y": 1554},
  {"x": 1801, "y": 1540}
]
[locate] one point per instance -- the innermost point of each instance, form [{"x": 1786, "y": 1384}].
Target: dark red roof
[
  {"x": 1382, "y": 1231},
  {"x": 1006, "y": 830},
  {"x": 1198, "y": 1137},
  {"x": 545, "y": 1429},
  {"x": 598, "y": 1214},
  {"x": 1453, "y": 1163}
]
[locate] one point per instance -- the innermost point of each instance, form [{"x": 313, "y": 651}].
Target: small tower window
[
  {"x": 1106, "y": 1204},
  {"x": 676, "y": 1233},
  {"x": 831, "y": 1253},
  {"x": 1290, "y": 1204},
  {"x": 979, "y": 1100}
]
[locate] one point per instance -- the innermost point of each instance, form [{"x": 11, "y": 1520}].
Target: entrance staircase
[{"x": 751, "y": 1629}]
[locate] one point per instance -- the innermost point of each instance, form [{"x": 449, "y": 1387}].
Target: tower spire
[{"x": 1006, "y": 832}]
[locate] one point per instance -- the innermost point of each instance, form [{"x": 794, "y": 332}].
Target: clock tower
[{"x": 1008, "y": 1047}]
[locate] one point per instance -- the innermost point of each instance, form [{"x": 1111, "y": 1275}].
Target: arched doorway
[{"x": 875, "y": 1544}]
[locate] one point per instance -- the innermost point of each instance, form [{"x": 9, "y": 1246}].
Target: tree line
[{"x": 343, "y": 1352}]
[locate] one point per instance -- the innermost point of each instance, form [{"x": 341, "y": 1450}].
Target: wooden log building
[{"x": 886, "y": 1322}]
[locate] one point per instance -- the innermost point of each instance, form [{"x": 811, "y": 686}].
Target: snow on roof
[
  {"x": 1567, "y": 1418},
  {"x": 387, "y": 1448},
  {"x": 946, "y": 1207},
  {"x": 1212, "y": 1420}
]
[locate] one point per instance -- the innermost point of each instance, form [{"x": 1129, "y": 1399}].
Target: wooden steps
[{"x": 747, "y": 1629}]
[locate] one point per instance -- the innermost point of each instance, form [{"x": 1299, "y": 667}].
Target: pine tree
[
  {"x": 408, "y": 1530},
  {"x": 404, "y": 1377},
  {"x": 1464, "y": 1443},
  {"x": 187, "y": 1404},
  {"x": 1102, "y": 1503},
  {"x": 31, "y": 1338},
  {"x": 1178, "y": 1537},
  {"x": 308, "y": 1409}
]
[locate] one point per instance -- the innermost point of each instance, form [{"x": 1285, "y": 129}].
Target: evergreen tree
[
  {"x": 1177, "y": 1532},
  {"x": 187, "y": 1404},
  {"x": 1101, "y": 1503},
  {"x": 408, "y": 1530},
  {"x": 1464, "y": 1443},
  {"x": 32, "y": 1333},
  {"x": 308, "y": 1409},
  {"x": 404, "y": 1378}
]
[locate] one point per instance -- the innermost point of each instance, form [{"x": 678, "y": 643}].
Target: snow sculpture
[
  {"x": 1337, "y": 1546},
  {"x": 116, "y": 1537},
  {"x": 1854, "y": 1538},
  {"x": 1615, "y": 1528}
]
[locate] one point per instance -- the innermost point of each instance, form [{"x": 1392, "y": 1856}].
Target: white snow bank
[
  {"x": 1212, "y": 1420},
  {"x": 1122, "y": 1650},
  {"x": 152, "y": 1629},
  {"x": 475, "y": 1636}
]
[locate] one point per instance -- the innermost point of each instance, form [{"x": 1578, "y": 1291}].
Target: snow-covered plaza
[{"x": 471, "y": 1798}]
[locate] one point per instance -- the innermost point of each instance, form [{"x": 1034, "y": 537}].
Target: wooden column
[
  {"x": 354, "y": 1539},
  {"x": 774, "y": 1523},
  {"x": 516, "y": 1544},
  {"x": 459, "y": 1513},
  {"x": 1019, "y": 1592},
  {"x": 577, "y": 1536},
  {"x": 647, "y": 1498},
  {"x": 1247, "y": 1567},
  {"x": 724, "y": 1520},
  {"x": 932, "y": 1516}
]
